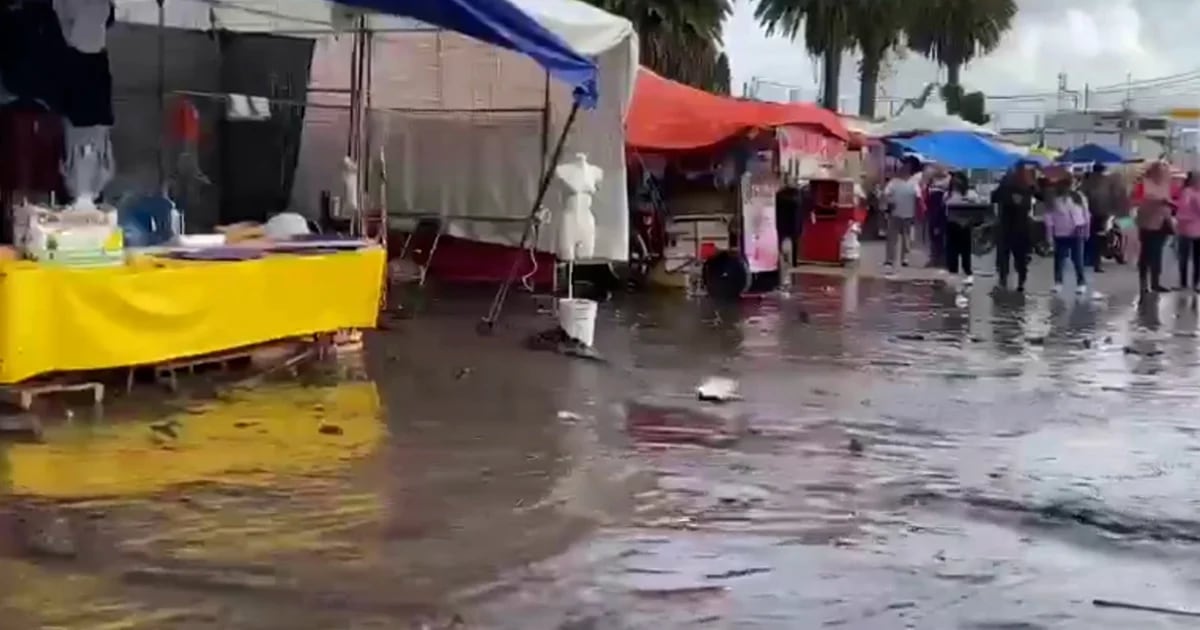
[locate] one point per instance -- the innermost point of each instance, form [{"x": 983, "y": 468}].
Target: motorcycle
[{"x": 1113, "y": 241}]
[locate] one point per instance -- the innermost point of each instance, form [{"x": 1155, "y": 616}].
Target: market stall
[
  {"x": 73, "y": 295},
  {"x": 917, "y": 121},
  {"x": 466, "y": 128},
  {"x": 715, "y": 165},
  {"x": 1092, "y": 153},
  {"x": 961, "y": 150}
]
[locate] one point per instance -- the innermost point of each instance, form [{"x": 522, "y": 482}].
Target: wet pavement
[{"x": 898, "y": 459}]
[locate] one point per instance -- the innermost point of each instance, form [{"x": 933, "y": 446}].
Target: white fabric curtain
[{"x": 475, "y": 147}]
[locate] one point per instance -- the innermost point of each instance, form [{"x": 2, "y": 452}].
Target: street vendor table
[{"x": 55, "y": 319}]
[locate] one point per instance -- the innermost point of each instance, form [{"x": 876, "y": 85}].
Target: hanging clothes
[
  {"x": 89, "y": 163},
  {"x": 86, "y": 79},
  {"x": 31, "y": 50},
  {"x": 87, "y": 98},
  {"x": 84, "y": 23}
]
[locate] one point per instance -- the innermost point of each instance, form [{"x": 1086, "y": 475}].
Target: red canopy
[{"x": 666, "y": 115}]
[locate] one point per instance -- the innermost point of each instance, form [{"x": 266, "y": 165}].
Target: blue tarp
[
  {"x": 499, "y": 23},
  {"x": 1091, "y": 153},
  {"x": 960, "y": 150}
]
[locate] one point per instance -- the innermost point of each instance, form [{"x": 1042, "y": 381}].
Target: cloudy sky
[{"x": 1095, "y": 42}]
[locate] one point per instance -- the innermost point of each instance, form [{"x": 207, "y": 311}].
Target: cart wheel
[{"x": 726, "y": 275}]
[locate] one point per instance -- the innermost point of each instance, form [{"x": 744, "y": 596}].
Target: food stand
[{"x": 714, "y": 162}]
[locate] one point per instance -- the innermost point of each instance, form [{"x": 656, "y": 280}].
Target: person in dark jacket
[
  {"x": 1014, "y": 199},
  {"x": 1106, "y": 198},
  {"x": 787, "y": 219}
]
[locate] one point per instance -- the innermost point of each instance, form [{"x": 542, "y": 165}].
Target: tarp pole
[
  {"x": 489, "y": 321},
  {"x": 546, "y": 119},
  {"x": 353, "y": 96},
  {"x": 161, "y": 87}
]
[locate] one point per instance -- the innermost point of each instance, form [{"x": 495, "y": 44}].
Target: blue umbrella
[
  {"x": 1091, "y": 153},
  {"x": 960, "y": 150}
]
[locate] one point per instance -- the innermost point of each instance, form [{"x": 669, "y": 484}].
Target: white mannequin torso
[{"x": 577, "y": 225}]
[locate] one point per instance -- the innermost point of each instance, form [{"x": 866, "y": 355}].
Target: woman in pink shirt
[
  {"x": 1187, "y": 218},
  {"x": 1067, "y": 226},
  {"x": 1154, "y": 225}
]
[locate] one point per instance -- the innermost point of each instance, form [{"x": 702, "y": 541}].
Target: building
[{"x": 1145, "y": 136}]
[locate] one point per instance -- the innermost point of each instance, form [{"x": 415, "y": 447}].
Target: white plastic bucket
[{"x": 578, "y": 319}]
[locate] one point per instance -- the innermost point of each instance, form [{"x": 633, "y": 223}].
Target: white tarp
[
  {"x": 310, "y": 18},
  {"x": 449, "y": 152},
  {"x": 926, "y": 120}
]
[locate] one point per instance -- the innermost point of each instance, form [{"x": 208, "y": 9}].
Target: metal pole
[
  {"x": 353, "y": 96},
  {"x": 162, "y": 97},
  {"x": 489, "y": 321},
  {"x": 546, "y": 119}
]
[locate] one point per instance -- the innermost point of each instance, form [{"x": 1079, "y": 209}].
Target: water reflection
[
  {"x": 884, "y": 445},
  {"x": 1008, "y": 323}
]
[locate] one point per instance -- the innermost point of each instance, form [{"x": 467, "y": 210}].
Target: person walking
[
  {"x": 1187, "y": 218},
  {"x": 1105, "y": 198},
  {"x": 959, "y": 226},
  {"x": 1068, "y": 224},
  {"x": 902, "y": 195},
  {"x": 1013, "y": 200},
  {"x": 938, "y": 192},
  {"x": 1154, "y": 226}
]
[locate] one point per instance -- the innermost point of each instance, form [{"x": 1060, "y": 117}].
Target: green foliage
[
  {"x": 825, "y": 26},
  {"x": 954, "y": 32},
  {"x": 970, "y": 106},
  {"x": 680, "y": 39}
]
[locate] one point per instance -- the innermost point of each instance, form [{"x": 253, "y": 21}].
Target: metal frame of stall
[{"x": 359, "y": 149}]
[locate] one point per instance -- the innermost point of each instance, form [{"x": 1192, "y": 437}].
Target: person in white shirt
[{"x": 902, "y": 196}]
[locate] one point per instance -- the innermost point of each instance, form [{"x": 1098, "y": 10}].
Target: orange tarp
[{"x": 666, "y": 115}]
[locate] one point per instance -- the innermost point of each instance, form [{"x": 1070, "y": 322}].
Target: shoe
[
  {"x": 903, "y": 263},
  {"x": 1160, "y": 289},
  {"x": 1020, "y": 288},
  {"x": 1081, "y": 290},
  {"x": 1057, "y": 290},
  {"x": 969, "y": 281}
]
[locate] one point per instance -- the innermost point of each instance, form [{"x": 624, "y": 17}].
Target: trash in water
[{"x": 718, "y": 389}]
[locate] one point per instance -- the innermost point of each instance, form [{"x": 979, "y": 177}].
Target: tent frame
[{"x": 358, "y": 147}]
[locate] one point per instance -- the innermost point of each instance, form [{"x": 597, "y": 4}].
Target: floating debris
[
  {"x": 718, "y": 389},
  {"x": 737, "y": 573},
  {"x": 1104, "y": 603}
]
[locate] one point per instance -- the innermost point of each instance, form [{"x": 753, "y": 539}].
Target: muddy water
[{"x": 897, "y": 461}]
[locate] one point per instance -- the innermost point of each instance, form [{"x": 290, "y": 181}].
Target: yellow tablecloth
[{"x": 153, "y": 310}]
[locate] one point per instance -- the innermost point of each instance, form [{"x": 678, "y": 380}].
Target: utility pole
[{"x": 1126, "y": 113}]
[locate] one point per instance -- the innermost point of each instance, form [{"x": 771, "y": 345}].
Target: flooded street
[{"x": 896, "y": 461}]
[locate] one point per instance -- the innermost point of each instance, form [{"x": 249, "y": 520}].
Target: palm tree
[
  {"x": 875, "y": 26},
  {"x": 825, "y": 26},
  {"x": 954, "y": 32},
  {"x": 680, "y": 39}
]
